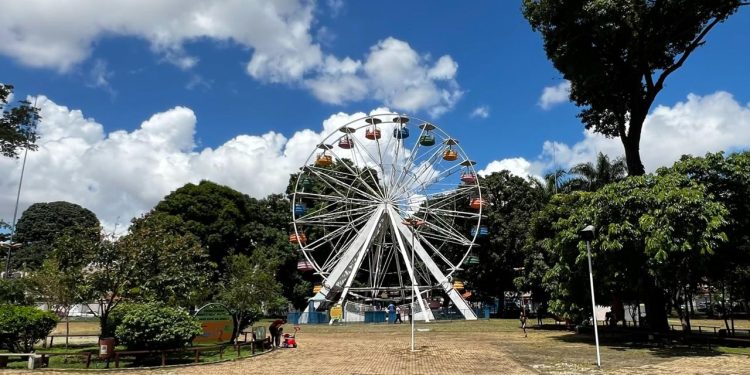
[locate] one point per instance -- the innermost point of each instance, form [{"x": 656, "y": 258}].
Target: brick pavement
[{"x": 453, "y": 348}]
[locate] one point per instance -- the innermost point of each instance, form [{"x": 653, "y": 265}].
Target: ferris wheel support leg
[
  {"x": 422, "y": 254},
  {"x": 415, "y": 285},
  {"x": 342, "y": 275}
]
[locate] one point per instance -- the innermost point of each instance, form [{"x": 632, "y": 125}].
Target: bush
[
  {"x": 155, "y": 326},
  {"x": 22, "y": 326}
]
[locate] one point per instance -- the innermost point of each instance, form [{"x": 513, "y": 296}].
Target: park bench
[{"x": 32, "y": 359}]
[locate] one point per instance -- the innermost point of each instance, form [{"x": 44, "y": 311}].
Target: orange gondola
[
  {"x": 324, "y": 160},
  {"x": 477, "y": 203},
  {"x": 298, "y": 239},
  {"x": 450, "y": 154}
]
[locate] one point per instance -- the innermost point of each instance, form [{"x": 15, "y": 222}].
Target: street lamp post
[
  {"x": 588, "y": 234},
  {"x": 18, "y": 197},
  {"x": 412, "y": 223}
]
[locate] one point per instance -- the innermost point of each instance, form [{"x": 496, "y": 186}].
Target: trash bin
[{"x": 106, "y": 347}]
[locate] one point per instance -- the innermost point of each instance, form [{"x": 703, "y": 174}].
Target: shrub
[
  {"x": 155, "y": 326},
  {"x": 22, "y": 326}
]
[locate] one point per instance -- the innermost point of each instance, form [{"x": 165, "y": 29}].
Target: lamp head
[{"x": 587, "y": 233}]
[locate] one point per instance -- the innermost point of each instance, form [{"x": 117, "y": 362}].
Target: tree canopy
[
  {"x": 654, "y": 234},
  {"x": 17, "y": 124},
  {"x": 43, "y": 223},
  {"x": 617, "y": 55}
]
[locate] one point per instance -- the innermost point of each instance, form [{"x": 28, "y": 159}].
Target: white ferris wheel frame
[{"x": 360, "y": 229}]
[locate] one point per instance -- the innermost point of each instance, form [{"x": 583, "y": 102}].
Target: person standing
[
  {"x": 398, "y": 315},
  {"x": 276, "y": 329},
  {"x": 391, "y": 313},
  {"x": 522, "y": 318}
]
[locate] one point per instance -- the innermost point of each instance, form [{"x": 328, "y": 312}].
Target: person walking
[
  {"x": 398, "y": 315},
  {"x": 522, "y": 318}
]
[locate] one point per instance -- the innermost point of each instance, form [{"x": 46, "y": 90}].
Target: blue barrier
[{"x": 374, "y": 316}]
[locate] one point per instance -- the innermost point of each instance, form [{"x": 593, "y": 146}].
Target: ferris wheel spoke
[
  {"x": 336, "y": 199},
  {"x": 361, "y": 162},
  {"x": 335, "y": 233},
  {"x": 415, "y": 159},
  {"x": 327, "y": 217},
  {"x": 331, "y": 180},
  {"x": 357, "y": 175},
  {"x": 452, "y": 213}
]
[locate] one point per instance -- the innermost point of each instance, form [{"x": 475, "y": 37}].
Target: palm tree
[
  {"x": 552, "y": 183},
  {"x": 590, "y": 177}
]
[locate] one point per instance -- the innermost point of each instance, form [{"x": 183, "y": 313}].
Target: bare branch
[{"x": 693, "y": 45}]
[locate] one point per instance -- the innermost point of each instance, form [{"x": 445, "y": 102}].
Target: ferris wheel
[{"x": 385, "y": 208}]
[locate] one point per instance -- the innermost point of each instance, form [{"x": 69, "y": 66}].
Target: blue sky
[{"x": 270, "y": 70}]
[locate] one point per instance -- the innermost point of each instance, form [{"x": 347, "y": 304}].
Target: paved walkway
[{"x": 452, "y": 348}]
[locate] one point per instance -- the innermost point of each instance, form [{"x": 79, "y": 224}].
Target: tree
[
  {"x": 727, "y": 179},
  {"x": 60, "y": 282},
  {"x": 152, "y": 262},
  {"x": 43, "y": 223},
  {"x": 59, "y": 287},
  {"x": 654, "y": 234},
  {"x": 249, "y": 287},
  {"x": 590, "y": 177},
  {"x": 17, "y": 125},
  {"x": 617, "y": 55},
  {"x": 511, "y": 199},
  {"x": 219, "y": 216},
  {"x": 168, "y": 266}
]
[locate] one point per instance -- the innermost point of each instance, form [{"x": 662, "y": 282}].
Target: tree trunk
[
  {"x": 633, "y": 156},
  {"x": 656, "y": 313},
  {"x": 67, "y": 326},
  {"x": 687, "y": 309}
]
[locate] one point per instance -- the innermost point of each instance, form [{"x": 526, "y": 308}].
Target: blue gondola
[
  {"x": 299, "y": 209},
  {"x": 483, "y": 231},
  {"x": 401, "y": 133}
]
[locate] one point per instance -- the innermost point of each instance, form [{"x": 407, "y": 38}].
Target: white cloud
[
  {"x": 394, "y": 73},
  {"x": 99, "y": 77},
  {"x": 552, "y": 95},
  {"x": 517, "y": 166},
  {"x": 696, "y": 126},
  {"x": 480, "y": 112},
  {"x": 62, "y": 35},
  {"x": 124, "y": 174}
]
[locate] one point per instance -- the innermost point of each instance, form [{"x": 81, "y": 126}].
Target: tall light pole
[
  {"x": 18, "y": 197},
  {"x": 588, "y": 234},
  {"x": 412, "y": 223},
  {"x": 15, "y": 214}
]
